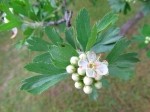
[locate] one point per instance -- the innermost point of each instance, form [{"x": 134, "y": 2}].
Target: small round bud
[
  {"x": 81, "y": 71},
  {"x": 87, "y": 80},
  {"x": 98, "y": 77},
  {"x": 78, "y": 85},
  {"x": 74, "y": 60},
  {"x": 98, "y": 85},
  {"x": 147, "y": 38},
  {"x": 82, "y": 56},
  {"x": 75, "y": 77},
  {"x": 70, "y": 69},
  {"x": 146, "y": 41},
  {"x": 87, "y": 89}
]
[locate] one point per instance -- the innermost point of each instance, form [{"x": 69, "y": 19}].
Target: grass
[{"x": 121, "y": 96}]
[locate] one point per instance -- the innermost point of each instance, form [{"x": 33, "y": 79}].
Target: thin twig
[{"x": 66, "y": 19}]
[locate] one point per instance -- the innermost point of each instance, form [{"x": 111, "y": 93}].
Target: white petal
[
  {"x": 91, "y": 56},
  {"x": 90, "y": 72},
  {"x": 5, "y": 20},
  {"x": 83, "y": 63},
  {"x": 14, "y": 33},
  {"x": 82, "y": 56},
  {"x": 102, "y": 69}
]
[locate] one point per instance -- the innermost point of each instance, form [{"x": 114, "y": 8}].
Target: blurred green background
[{"x": 120, "y": 96}]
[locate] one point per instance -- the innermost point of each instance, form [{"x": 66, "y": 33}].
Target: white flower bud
[
  {"x": 75, "y": 77},
  {"x": 98, "y": 77},
  {"x": 74, "y": 60},
  {"x": 81, "y": 71},
  {"x": 70, "y": 69},
  {"x": 82, "y": 56},
  {"x": 146, "y": 41},
  {"x": 78, "y": 85},
  {"x": 147, "y": 38},
  {"x": 98, "y": 85},
  {"x": 87, "y": 89},
  {"x": 87, "y": 80}
]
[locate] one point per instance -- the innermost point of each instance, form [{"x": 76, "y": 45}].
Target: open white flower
[{"x": 92, "y": 65}]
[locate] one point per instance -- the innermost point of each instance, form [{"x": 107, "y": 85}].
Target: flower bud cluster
[
  {"x": 82, "y": 81},
  {"x": 147, "y": 40}
]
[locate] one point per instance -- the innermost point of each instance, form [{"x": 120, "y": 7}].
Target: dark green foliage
[
  {"x": 70, "y": 37},
  {"x": 38, "y": 84},
  {"x": 118, "y": 49},
  {"x": 121, "y": 65},
  {"x": 92, "y": 39},
  {"x": 83, "y": 28},
  {"x": 37, "y": 44},
  {"x": 109, "y": 19},
  {"x": 53, "y": 35},
  {"x": 61, "y": 55},
  {"x": 107, "y": 40},
  {"x": 120, "y": 6},
  {"x": 43, "y": 68},
  {"x": 44, "y": 58}
]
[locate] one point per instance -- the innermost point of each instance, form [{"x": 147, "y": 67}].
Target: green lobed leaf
[
  {"x": 40, "y": 83},
  {"x": 117, "y": 50},
  {"x": 122, "y": 73},
  {"x": 145, "y": 30},
  {"x": 94, "y": 94},
  {"x": 9, "y": 25},
  {"x": 110, "y": 36},
  {"x": 43, "y": 68},
  {"x": 83, "y": 28},
  {"x": 107, "y": 40},
  {"x": 120, "y": 6},
  {"x": 44, "y": 58},
  {"x": 123, "y": 66},
  {"x": 53, "y": 3},
  {"x": 92, "y": 39},
  {"x": 146, "y": 7},
  {"x": 53, "y": 35},
  {"x": 126, "y": 60},
  {"x": 126, "y": 8},
  {"x": 28, "y": 32},
  {"x": 14, "y": 21},
  {"x": 37, "y": 44},
  {"x": 70, "y": 37},
  {"x": 62, "y": 54},
  {"x": 20, "y": 7},
  {"x": 108, "y": 19},
  {"x": 98, "y": 48},
  {"x": 148, "y": 53}
]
